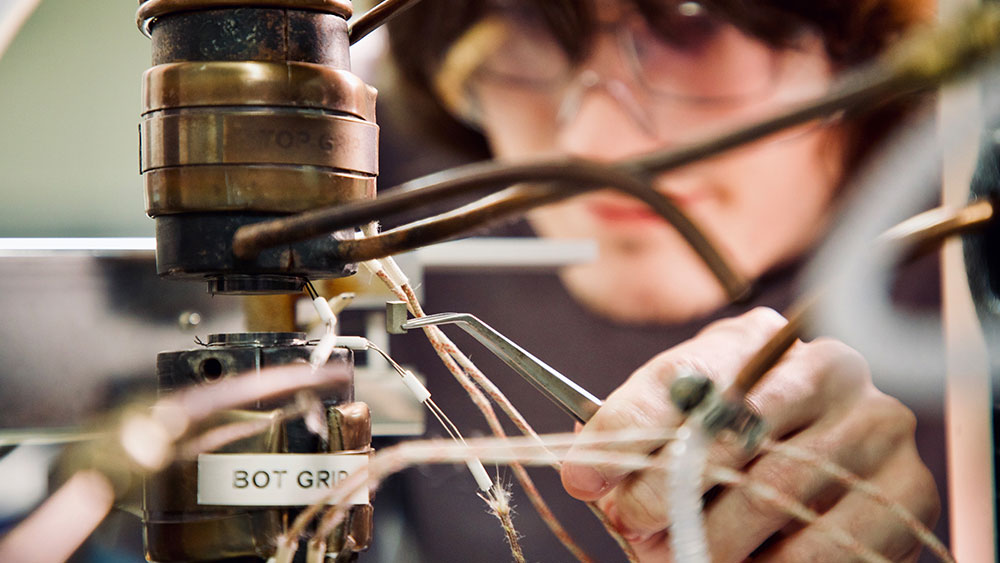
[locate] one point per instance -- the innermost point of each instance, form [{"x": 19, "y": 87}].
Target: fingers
[
  {"x": 797, "y": 394},
  {"x": 740, "y": 519},
  {"x": 642, "y": 402},
  {"x": 867, "y": 522},
  {"x": 819, "y": 399},
  {"x": 639, "y": 404}
]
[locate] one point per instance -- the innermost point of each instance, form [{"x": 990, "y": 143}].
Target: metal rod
[
  {"x": 377, "y": 16},
  {"x": 917, "y": 233},
  {"x": 909, "y": 67},
  {"x": 568, "y": 176}
]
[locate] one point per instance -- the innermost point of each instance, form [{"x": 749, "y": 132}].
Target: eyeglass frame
[{"x": 464, "y": 62}]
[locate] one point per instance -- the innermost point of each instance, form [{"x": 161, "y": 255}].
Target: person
[{"x": 608, "y": 80}]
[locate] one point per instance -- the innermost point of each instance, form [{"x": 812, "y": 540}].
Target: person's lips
[
  {"x": 631, "y": 211},
  {"x": 622, "y": 213}
]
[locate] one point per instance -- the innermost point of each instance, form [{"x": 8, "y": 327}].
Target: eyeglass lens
[{"x": 690, "y": 55}]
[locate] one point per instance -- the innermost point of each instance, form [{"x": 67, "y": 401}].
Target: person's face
[{"x": 762, "y": 204}]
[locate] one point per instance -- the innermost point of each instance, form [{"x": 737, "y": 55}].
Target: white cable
[
  {"x": 370, "y": 230},
  {"x": 687, "y": 456},
  {"x": 423, "y": 396},
  {"x": 375, "y": 266},
  {"x": 399, "y": 279},
  {"x": 394, "y": 272}
]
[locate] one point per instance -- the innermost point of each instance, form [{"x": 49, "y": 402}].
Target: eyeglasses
[{"x": 689, "y": 57}]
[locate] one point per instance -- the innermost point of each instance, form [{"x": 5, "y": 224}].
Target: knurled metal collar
[
  {"x": 149, "y": 10},
  {"x": 250, "y": 83},
  {"x": 227, "y": 136},
  {"x": 257, "y": 339}
]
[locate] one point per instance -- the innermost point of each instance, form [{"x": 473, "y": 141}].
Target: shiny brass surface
[
  {"x": 249, "y": 83},
  {"x": 236, "y": 136},
  {"x": 250, "y": 111},
  {"x": 288, "y": 189},
  {"x": 360, "y": 527},
  {"x": 351, "y": 430},
  {"x": 152, "y": 9},
  {"x": 180, "y": 529},
  {"x": 269, "y": 313},
  {"x": 350, "y": 426}
]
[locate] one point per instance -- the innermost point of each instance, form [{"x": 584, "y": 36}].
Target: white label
[{"x": 276, "y": 479}]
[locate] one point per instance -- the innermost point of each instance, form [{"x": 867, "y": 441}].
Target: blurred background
[{"x": 69, "y": 109}]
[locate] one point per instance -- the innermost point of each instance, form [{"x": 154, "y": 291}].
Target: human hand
[{"x": 819, "y": 398}]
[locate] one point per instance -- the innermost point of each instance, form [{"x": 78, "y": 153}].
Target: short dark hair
[{"x": 853, "y": 32}]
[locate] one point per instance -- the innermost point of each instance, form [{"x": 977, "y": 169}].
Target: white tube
[
  {"x": 324, "y": 311},
  {"x": 685, "y": 467},
  {"x": 321, "y": 353},
  {"x": 373, "y": 267},
  {"x": 351, "y": 342},
  {"x": 479, "y": 474},
  {"x": 417, "y": 388}
]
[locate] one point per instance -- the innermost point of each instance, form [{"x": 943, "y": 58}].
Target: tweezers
[{"x": 561, "y": 390}]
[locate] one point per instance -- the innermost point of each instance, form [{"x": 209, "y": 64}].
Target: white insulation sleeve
[
  {"x": 324, "y": 311},
  {"x": 479, "y": 474},
  {"x": 394, "y": 272},
  {"x": 417, "y": 388},
  {"x": 373, "y": 267},
  {"x": 321, "y": 353},
  {"x": 351, "y": 342},
  {"x": 685, "y": 467}
]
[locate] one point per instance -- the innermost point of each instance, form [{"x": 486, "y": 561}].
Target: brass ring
[
  {"x": 248, "y": 83},
  {"x": 194, "y": 137},
  {"x": 276, "y": 189},
  {"x": 149, "y": 10}
]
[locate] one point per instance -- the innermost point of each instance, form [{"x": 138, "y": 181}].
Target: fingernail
[{"x": 584, "y": 480}]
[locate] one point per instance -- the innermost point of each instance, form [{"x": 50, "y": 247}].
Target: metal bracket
[{"x": 395, "y": 317}]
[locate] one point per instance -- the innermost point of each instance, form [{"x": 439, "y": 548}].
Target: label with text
[{"x": 277, "y": 479}]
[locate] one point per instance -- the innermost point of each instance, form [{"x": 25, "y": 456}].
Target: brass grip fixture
[
  {"x": 250, "y": 112},
  {"x": 177, "y": 526}
]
